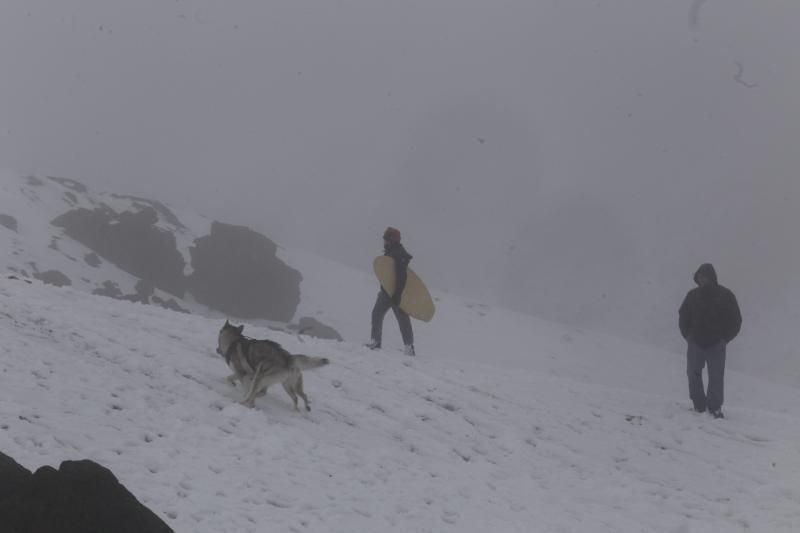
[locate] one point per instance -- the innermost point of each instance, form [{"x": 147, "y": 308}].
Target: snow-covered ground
[{"x": 502, "y": 423}]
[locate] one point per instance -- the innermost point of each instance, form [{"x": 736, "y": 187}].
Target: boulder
[
  {"x": 236, "y": 271},
  {"x": 79, "y": 497}
]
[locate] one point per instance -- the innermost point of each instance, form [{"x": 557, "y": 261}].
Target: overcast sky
[{"x": 574, "y": 159}]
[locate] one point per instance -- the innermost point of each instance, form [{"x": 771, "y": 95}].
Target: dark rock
[
  {"x": 53, "y": 277},
  {"x": 109, "y": 289},
  {"x": 144, "y": 290},
  {"x": 314, "y": 328},
  {"x": 9, "y": 222},
  {"x": 237, "y": 272},
  {"x": 79, "y": 497},
  {"x": 92, "y": 260},
  {"x": 130, "y": 241},
  {"x": 12, "y": 476}
]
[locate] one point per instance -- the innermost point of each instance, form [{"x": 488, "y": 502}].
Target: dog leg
[
  {"x": 290, "y": 391},
  {"x": 265, "y": 376},
  {"x": 255, "y": 386},
  {"x": 299, "y": 390}
]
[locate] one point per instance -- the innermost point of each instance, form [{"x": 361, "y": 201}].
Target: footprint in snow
[
  {"x": 450, "y": 517},
  {"x": 635, "y": 420}
]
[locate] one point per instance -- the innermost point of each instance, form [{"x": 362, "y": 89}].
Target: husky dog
[{"x": 260, "y": 363}]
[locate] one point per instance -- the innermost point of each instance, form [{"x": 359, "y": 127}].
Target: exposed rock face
[
  {"x": 314, "y": 328},
  {"x": 53, "y": 277},
  {"x": 131, "y": 241},
  {"x": 109, "y": 289},
  {"x": 237, "y": 272},
  {"x": 8, "y": 221},
  {"x": 235, "y": 269},
  {"x": 80, "y": 496},
  {"x": 92, "y": 260},
  {"x": 12, "y": 476}
]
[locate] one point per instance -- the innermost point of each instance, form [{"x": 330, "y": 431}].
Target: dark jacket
[
  {"x": 709, "y": 314},
  {"x": 401, "y": 257}
]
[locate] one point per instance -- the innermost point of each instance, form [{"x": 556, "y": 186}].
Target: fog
[{"x": 574, "y": 160}]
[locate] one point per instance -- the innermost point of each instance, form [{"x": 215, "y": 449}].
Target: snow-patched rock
[{"x": 59, "y": 231}]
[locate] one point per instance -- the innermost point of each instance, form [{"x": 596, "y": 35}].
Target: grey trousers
[
  {"x": 696, "y": 359},
  {"x": 382, "y": 306}
]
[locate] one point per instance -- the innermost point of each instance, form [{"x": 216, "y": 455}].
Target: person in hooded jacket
[
  {"x": 709, "y": 319},
  {"x": 392, "y": 248}
]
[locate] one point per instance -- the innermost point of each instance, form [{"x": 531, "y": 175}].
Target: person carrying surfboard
[{"x": 392, "y": 248}]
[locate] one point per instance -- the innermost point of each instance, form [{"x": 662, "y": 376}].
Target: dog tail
[{"x": 305, "y": 362}]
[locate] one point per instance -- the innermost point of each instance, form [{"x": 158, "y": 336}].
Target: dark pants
[
  {"x": 696, "y": 359},
  {"x": 382, "y": 306}
]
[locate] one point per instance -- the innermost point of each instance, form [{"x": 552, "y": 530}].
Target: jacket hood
[{"x": 707, "y": 270}]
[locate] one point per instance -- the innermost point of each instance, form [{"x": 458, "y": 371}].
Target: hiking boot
[
  {"x": 373, "y": 345},
  {"x": 717, "y": 414},
  {"x": 409, "y": 349},
  {"x": 699, "y": 408}
]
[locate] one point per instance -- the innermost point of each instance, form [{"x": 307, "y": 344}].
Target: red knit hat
[{"x": 392, "y": 234}]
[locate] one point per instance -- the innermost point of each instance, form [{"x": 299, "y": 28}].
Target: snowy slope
[{"x": 503, "y": 423}]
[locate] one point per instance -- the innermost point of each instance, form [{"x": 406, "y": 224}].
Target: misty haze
[{"x": 571, "y": 162}]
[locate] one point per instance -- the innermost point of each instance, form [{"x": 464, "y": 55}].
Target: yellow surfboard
[{"x": 416, "y": 300}]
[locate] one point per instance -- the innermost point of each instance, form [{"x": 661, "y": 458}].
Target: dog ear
[{"x": 226, "y": 322}]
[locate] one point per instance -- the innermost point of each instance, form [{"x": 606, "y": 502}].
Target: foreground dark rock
[
  {"x": 12, "y": 476},
  {"x": 79, "y": 497}
]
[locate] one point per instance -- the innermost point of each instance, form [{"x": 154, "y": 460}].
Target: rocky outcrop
[
  {"x": 8, "y": 221},
  {"x": 314, "y": 328},
  {"x": 80, "y": 496},
  {"x": 53, "y": 277},
  {"x": 92, "y": 260},
  {"x": 12, "y": 476},
  {"x": 131, "y": 241},
  {"x": 109, "y": 289},
  {"x": 236, "y": 271}
]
